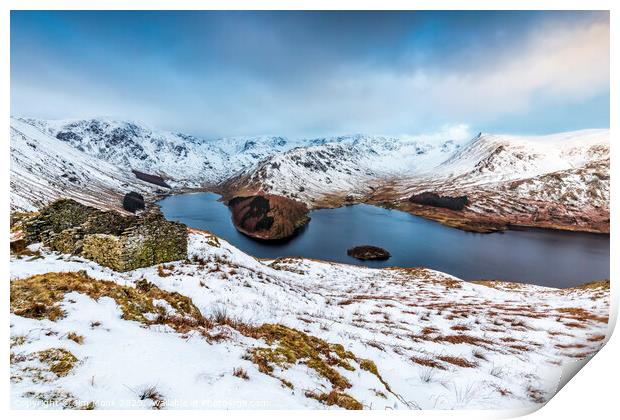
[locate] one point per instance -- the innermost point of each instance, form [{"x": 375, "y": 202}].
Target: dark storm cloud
[{"x": 311, "y": 73}]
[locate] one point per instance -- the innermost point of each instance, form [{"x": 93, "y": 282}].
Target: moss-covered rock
[
  {"x": 60, "y": 215},
  {"x": 106, "y": 250},
  {"x": 107, "y": 237}
]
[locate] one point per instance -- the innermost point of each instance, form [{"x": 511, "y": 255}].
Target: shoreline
[
  {"x": 463, "y": 276},
  {"x": 450, "y": 218}
]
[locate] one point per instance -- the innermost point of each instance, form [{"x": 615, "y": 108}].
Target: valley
[
  {"x": 556, "y": 181},
  {"x": 308, "y": 330}
]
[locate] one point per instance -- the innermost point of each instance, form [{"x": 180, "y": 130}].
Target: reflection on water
[{"x": 548, "y": 258}]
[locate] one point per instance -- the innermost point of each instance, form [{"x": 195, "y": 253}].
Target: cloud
[
  {"x": 561, "y": 64},
  {"x": 312, "y": 74},
  {"x": 458, "y": 133},
  {"x": 557, "y": 64}
]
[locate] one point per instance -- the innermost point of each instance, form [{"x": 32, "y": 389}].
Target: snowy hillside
[
  {"x": 185, "y": 160},
  {"x": 289, "y": 333},
  {"x": 342, "y": 166},
  {"x": 496, "y": 158},
  {"x": 222, "y": 329},
  {"x": 44, "y": 168},
  {"x": 558, "y": 181}
]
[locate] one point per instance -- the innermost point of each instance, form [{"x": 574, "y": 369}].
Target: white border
[{"x": 593, "y": 392}]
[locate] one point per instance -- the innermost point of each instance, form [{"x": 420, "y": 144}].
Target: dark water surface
[{"x": 543, "y": 257}]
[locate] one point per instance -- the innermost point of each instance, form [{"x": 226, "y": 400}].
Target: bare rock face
[
  {"x": 120, "y": 242},
  {"x": 368, "y": 252},
  {"x": 436, "y": 200},
  {"x": 268, "y": 217}
]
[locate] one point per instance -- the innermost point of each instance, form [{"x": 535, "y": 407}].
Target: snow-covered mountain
[
  {"x": 182, "y": 159},
  {"x": 525, "y": 180},
  {"x": 44, "y": 168},
  {"x": 322, "y": 165},
  {"x": 528, "y": 180},
  {"x": 341, "y": 166},
  {"x": 496, "y": 158},
  {"x": 557, "y": 181}
]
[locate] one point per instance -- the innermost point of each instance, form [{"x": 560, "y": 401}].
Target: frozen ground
[{"x": 437, "y": 342}]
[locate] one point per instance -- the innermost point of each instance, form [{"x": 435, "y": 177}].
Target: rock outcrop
[
  {"x": 120, "y": 242},
  {"x": 268, "y": 217},
  {"x": 368, "y": 252},
  {"x": 132, "y": 201}
]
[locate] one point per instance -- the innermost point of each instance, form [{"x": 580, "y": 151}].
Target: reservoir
[{"x": 542, "y": 257}]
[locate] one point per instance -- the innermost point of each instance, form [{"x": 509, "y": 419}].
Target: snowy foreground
[{"x": 437, "y": 342}]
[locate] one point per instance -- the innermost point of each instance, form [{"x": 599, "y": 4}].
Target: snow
[
  {"x": 384, "y": 322},
  {"x": 506, "y": 157},
  {"x": 345, "y": 165},
  {"x": 570, "y": 169},
  {"x": 331, "y": 164},
  {"x": 187, "y": 160},
  {"x": 315, "y": 171},
  {"x": 514, "y": 337},
  {"x": 44, "y": 168}
]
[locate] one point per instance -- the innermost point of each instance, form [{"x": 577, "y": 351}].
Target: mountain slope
[
  {"x": 556, "y": 181},
  {"x": 559, "y": 181},
  {"x": 44, "y": 168},
  {"x": 184, "y": 160},
  {"x": 496, "y": 158},
  {"x": 339, "y": 167}
]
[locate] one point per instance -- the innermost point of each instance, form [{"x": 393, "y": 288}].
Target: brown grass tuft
[
  {"x": 427, "y": 362},
  {"x": 581, "y": 315},
  {"x": 240, "y": 373},
  {"x": 338, "y": 398},
  {"x": 73, "y": 336},
  {"x": 164, "y": 270},
  {"x": 458, "y": 361}
]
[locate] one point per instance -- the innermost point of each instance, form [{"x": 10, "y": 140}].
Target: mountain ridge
[{"x": 533, "y": 178}]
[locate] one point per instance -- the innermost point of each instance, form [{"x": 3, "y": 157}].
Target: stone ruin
[{"x": 120, "y": 242}]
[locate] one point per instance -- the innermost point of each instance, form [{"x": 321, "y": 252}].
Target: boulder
[
  {"x": 132, "y": 202},
  {"x": 368, "y": 252}
]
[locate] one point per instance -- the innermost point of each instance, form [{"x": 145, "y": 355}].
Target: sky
[{"x": 310, "y": 74}]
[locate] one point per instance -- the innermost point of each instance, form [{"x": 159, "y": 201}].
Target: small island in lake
[{"x": 368, "y": 252}]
